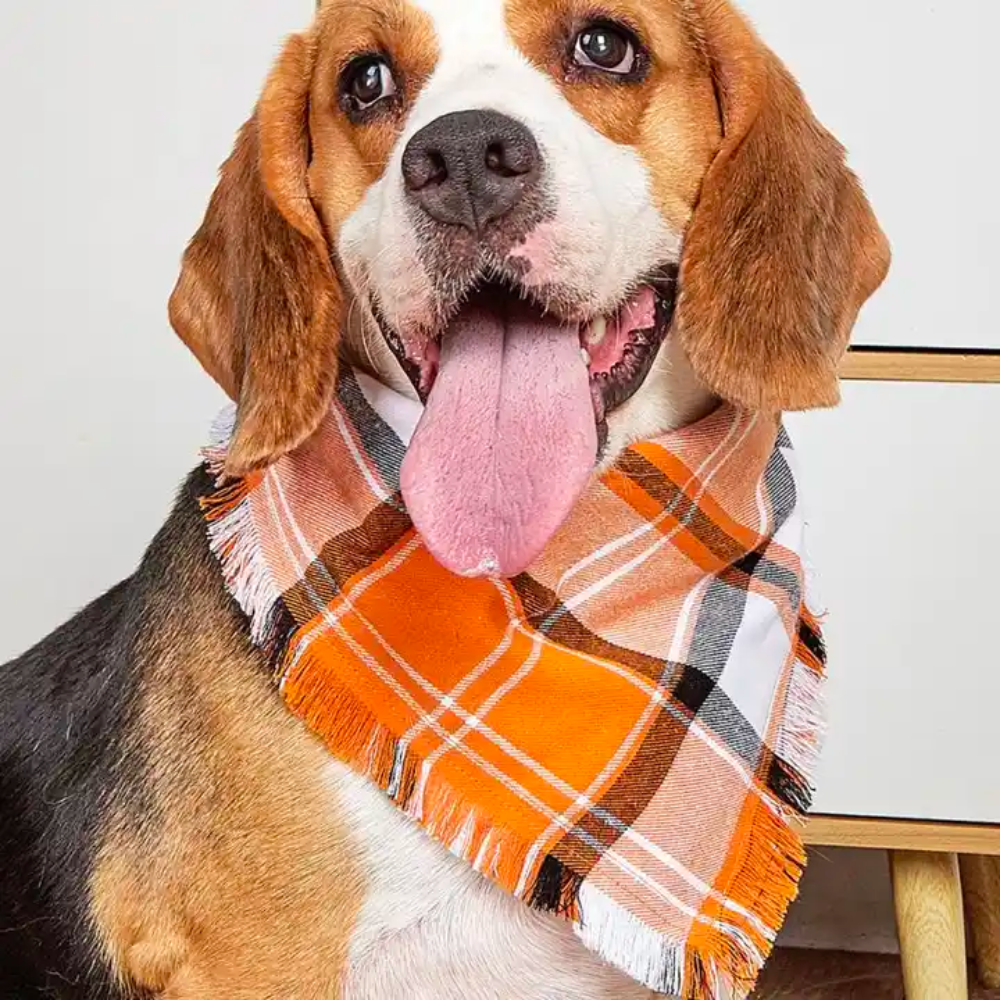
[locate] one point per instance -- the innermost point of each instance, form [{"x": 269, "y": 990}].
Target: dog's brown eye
[
  {"x": 605, "y": 47},
  {"x": 368, "y": 81}
]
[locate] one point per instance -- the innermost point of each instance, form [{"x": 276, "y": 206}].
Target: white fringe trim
[
  {"x": 234, "y": 541},
  {"x": 801, "y": 736},
  {"x": 222, "y": 427},
  {"x": 219, "y": 435},
  {"x": 623, "y": 940}
]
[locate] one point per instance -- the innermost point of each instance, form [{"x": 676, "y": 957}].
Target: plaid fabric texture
[{"x": 623, "y": 735}]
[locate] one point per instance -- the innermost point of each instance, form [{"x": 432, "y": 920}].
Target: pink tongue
[{"x": 505, "y": 445}]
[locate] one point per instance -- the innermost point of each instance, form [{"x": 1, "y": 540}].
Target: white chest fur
[{"x": 431, "y": 928}]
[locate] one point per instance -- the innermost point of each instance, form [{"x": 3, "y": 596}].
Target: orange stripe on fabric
[
  {"x": 697, "y": 491},
  {"x": 666, "y": 523}
]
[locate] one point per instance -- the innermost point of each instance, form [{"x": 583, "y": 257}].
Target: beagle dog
[{"x": 645, "y": 172}]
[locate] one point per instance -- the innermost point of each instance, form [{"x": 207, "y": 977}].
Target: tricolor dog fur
[{"x": 565, "y": 226}]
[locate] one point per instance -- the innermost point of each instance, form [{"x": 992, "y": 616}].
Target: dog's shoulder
[{"x": 68, "y": 751}]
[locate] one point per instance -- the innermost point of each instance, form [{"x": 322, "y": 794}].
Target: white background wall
[{"x": 116, "y": 115}]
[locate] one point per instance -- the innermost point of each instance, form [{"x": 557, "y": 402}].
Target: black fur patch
[{"x": 66, "y": 706}]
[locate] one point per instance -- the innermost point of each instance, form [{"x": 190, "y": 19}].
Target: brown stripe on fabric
[
  {"x": 625, "y": 801},
  {"x": 671, "y": 497},
  {"x": 344, "y": 556},
  {"x": 580, "y": 849},
  {"x": 548, "y": 615}
]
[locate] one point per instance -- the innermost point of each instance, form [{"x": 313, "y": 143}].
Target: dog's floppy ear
[
  {"x": 783, "y": 248},
  {"x": 258, "y": 300}
]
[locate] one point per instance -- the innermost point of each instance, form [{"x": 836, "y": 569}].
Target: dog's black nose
[{"x": 470, "y": 167}]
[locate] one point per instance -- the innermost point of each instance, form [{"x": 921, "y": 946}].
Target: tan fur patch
[
  {"x": 670, "y": 117},
  {"x": 229, "y": 876},
  {"x": 349, "y": 157}
]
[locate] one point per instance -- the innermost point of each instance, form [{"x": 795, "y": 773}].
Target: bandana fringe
[
  {"x": 232, "y": 537},
  {"x": 357, "y": 737},
  {"x": 800, "y": 741},
  {"x": 732, "y": 932}
]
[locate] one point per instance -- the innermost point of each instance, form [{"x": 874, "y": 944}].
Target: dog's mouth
[
  {"x": 618, "y": 347},
  {"x": 516, "y": 404}
]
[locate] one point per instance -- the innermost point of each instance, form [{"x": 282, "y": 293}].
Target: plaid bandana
[{"x": 622, "y": 735}]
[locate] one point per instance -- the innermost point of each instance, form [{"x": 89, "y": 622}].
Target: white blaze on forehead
[{"x": 478, "y": 63}]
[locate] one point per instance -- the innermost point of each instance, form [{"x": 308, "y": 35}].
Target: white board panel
[{"x": 902, "y": 486}]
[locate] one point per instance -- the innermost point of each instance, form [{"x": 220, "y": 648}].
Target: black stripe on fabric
[
  {"x": 545, "y": 613},
  {"x": 621, "y": 804},
  {"x": 598, "y": 829},
  {"x": 381, "y": 443},
  {"x": 781, "y": 489},
  {"x": 693, "y": 688},
  {"x": 812, "y": 640},
  {"x": 788, "y": 784},
  {"x": 756, "y": 565},
  {"x": 714, "y": 634},
  {"x": 721, "y": 716},
  {"x": 780, "y": 484},
  {"x": 556, "y": 887}
]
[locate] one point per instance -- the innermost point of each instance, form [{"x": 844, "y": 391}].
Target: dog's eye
[
  {"x": 605, "y": 47},
  {"x": 368, "y": 81}
]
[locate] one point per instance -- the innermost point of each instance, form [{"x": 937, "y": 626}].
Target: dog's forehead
[
  {"x": 479, "y": 64},
  {"x": 469, "y": 30}
]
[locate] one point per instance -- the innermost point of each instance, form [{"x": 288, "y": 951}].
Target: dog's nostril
[
  {"x": 438, "y": 168},
  {"x": 494, "y": 156},
  {"x": 425, "y": 169},
  {"x": 499, "y": 161}
]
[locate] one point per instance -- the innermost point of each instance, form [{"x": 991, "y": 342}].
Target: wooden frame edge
[
  {"x": 920, "y": 366},
  {"x": 902, "y": 835}
]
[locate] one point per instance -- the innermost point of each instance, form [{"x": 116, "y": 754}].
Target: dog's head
[{"x": 564, "y": 223}]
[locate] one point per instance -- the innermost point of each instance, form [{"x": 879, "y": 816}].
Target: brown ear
[
  {"x": 783, "y": 248},
  {"x": 258, "y": 301}
]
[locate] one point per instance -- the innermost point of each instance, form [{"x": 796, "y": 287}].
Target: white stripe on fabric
[
  {"x": 481, "y": 668},
  {"x": 680, "y": 632},
  {"x": 757, "y": 660},
  {"x": 400, "y": 412},
  {"x": 475, "y": 721},
  {"x": 371, "y": 477}
]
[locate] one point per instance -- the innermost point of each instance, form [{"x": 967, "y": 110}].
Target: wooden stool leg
[
  {"x": 981, "y": 888},
  {"x": 928, "y": 896}
]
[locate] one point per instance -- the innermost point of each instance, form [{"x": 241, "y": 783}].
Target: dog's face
[{"x": 562, "y": 225}]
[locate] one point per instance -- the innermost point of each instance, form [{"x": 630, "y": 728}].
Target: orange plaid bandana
[{"x": 623, "y": 734}]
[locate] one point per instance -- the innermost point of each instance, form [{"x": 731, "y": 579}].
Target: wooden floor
[{"x": 818, "y": 975}]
